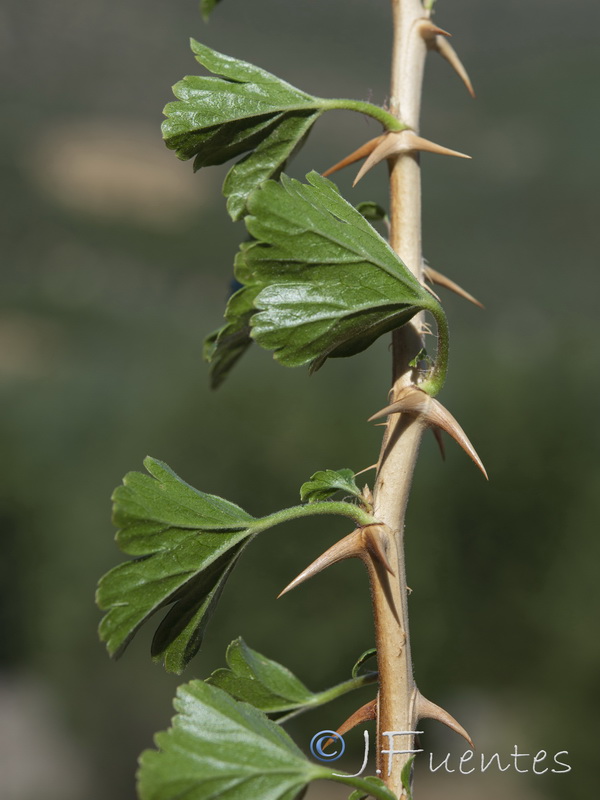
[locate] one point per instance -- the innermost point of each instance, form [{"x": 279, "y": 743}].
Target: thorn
[
  {"x": 388, "y": 146},
  {"x": 367, "y": 495},
  {"x": 413, "y": 400},
  {"x": 364, "y": 714},
  {"x": 428, "y": 710},
  {"x": 440, "y": 440},
  {"x": 366, "y": 469},
  {"x": 395, "y": 143},
  {"x": 418, "y": 143},
  {"x": 362, "y": 152},
  {"x": 351, "y": 546},
  {"x": 445, "y": 49},
  {"x": 410, "y": 401},
  {"x": 368, "y": 540},
  {"x": 441, "y": 280},
  {"x": 429, "y": 30},
  {"x": 375, "y": 541}
]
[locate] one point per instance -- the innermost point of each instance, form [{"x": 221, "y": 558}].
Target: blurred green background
[{"x": 116, "y": 263}]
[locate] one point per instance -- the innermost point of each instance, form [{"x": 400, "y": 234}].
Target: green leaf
[
  {"x": 372, "y": 211},
  {"x": 244, "y": 109},
  {"x": 422, "y": 356},
  {"x": 224, "y": 347},
  {"x": 186, "y": 543},
  {"x": 207, "y": 7},
  {"x": 148, "y": 505},
  {"x": 405, "y": 777},
  {"x": 267, "y": 160},
  {"x": 357, "y": 794},
  {"x": 325, "y": 483},
  {"x": 257, "y": 680},
  {"x": 220, "y": 117},
  {"x": 241, "y": 109},
  {"x": 270, "y": 686},
  {"x": 218, "y": 747},
  {"x": 332, "y": 285},
  {"x": 370, "y": 781},
  {"x": 366, "y": 656}
]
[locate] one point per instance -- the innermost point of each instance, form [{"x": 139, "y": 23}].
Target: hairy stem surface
[{"x": 397, "y": 694}]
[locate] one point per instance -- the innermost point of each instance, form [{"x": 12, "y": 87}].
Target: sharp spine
[
  {"x": 431, "y": 412},
  {"x": 365, "y": 543},
  {"x": 397, "y": 142},
  {"x": 439, "y": 279},
  {"x": 366, "y": 469},
  {"x": 428, "y": 710},
  {"x": 429, "y": 30},
  {"x": 445, "y": 49},
  {"x": 350, "y": 546},
  {"x": 362, "y": 152},
  {"x": 365, "y": 713}
]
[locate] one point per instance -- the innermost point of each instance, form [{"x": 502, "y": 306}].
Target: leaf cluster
[{"x": 317, "y": 280}]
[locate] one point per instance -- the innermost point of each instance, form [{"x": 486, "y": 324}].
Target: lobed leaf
[
  {"x": 224, "y": 347},
  {"x": 259, "y": 681},
  {"x": 372, "y": 211},
  {"x": 330, "y": 284},
  {"x": 271, "y": 687},
  {"x": 362, "y": 659},
  {"x": 239, "y": 109},
  {"x": 186, "y": 543},
  {"x": 325, "y": 483},
  {"x": 218, "y": 747},
  {"x": 267, "y": 159}
]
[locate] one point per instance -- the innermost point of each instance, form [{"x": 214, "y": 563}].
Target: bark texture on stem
[{"x": 398, "y": 693}]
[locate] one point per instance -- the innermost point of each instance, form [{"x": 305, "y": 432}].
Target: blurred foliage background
[{"x": 116, "y": 263}]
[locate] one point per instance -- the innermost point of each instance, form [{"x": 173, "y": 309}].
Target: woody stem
[{"x": 397, "y": 693}]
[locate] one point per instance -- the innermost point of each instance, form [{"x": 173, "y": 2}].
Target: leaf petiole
[
  {"x": 437, "y": 377},
  {"x": 353, "y": 512},
  {"x": 320, "y": 698},
  {"x": 389, "y": 121}
]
